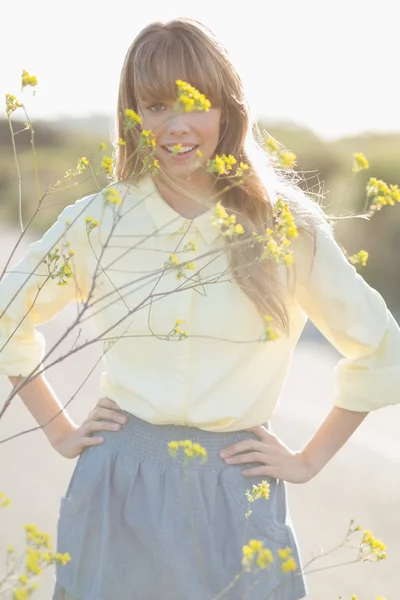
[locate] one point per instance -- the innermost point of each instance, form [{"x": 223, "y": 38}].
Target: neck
[{"x": 189, "y": 204}]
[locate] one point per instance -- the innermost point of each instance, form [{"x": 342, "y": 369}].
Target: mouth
[{"x": 185, "y": 152}]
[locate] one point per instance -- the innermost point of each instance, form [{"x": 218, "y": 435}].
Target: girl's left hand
[{"x": 277, "y": 460}]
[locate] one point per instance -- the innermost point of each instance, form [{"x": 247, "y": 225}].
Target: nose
[{"x": 178, "y": 124}]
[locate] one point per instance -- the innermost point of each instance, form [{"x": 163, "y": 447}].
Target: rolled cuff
[
  {"x": 366, "y": 390},
  {"x": 22, "y": 357}
]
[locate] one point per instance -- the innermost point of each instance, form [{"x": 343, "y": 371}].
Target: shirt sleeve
[
  {"x": 355, "y": 319},
  {"x": 30, "y": 296}
]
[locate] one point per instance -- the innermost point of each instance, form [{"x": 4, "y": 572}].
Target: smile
[{"x": 184, "y": 152}]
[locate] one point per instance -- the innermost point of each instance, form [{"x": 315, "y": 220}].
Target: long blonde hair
[{"x": 186, "y": 49}]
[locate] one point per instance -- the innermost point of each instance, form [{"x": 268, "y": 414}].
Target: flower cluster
[
  {"x": 28, "y": 79},
  {"x": 191, "y": 450},
  {"x": 255, "y": 556},
  {"x": 360, "y": 258},
  {"x": 259, "y": 491},
  {"x": 190, "y": 99},
  {"x": 111, "y": 196},
  {"x": 91, "y": 224},
  {"x": 221, "y": 164},
  {"x": 276, "y": 241},
  {"x": 224, "y": 164},
  {"x": 38, "y": 556},
  {"x": 82, "y": 164},
  {"x": 12, "y": 104},
  {"x": 360, "y": 162},
  {"x": 4, "y": 501},
  {"x": 61, "y": 271},
  {"x": 191, "y": 246},
  {"x": 283, "y": 158},
  {"x": 227, "y": 223},
  {"x": 107, "y": 165},
  {"x": 382, "y": 194},
  {"x": 177, "y": 331},
  {"x": 269, "y": 334},
  {"x": 147, "y": 151},
  {"x": 131, "y": 119},
  {"x": 288, "y": 562},
  {"x": 173, "y": 261},
  {"x": 372, "y": 548}
]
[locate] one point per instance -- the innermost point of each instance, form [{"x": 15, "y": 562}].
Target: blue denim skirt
[{"x": 142, "y": 525}]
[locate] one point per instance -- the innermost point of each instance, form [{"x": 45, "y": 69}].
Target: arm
[
  {"x": 42, "y": 403},
  {"x": 354, "y": 318},
  {"x": 332, "y": 434}
]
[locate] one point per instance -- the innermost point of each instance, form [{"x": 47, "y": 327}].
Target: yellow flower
[
  {"x": 148, "y": 138},
  {"x": 199, "y": 153},
  {"x": 102, "y": 146},
  {"x": 10, "y": 549},
  {"x": 176, "y": 148},
  {"x": 360, "y": 257},
  {"x": 239, "y": 229},
  {"x": 269, "y": 333},
  {"x": 63, "y": 559},
  {"x": 107, "y": 164},
  {"x": 20, "y": 593},
  {"x": 82, "y": 164},
  {"x": 255, "y": 555},
  {"x": 271, "y": 145},
  {"x": 286, "y": 159},
  {"x": 32, "y": 560},
  {"x": 191, "y": 99},
  {"x": 256, "y": 545},
  {"x": 360, "y": 162},
  {"x": 12, "y": 104},
  {"x": 28, "y": 79},
  {"x": 132, "y": 117},
  {"x": 289, "y": 565},
  {"x": 261, "y": 490},
  {"x": 111, "y": 196},
  {"x": 190, "y": 449},
  {"x": 23, "y": 579},
  {"x": 264, "y": 558}
]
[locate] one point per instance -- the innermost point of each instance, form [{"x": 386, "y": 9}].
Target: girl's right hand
[{"x": 73, "y": 444}]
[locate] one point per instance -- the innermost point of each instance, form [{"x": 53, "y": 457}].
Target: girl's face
[{"x": 195, "y": 131}]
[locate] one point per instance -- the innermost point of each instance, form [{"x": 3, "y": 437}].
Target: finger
[
  {"x": 264, "y": 471},
  {"x": 263, "y": 433},
  {"x": 107, "y": 413},
  {"x": 92, "y": 441},
  {"x": 247, "y": 458},
  {"x": 243, "y": 446},
  {"x": 93, "y": 426},
  {"x": 107, "y": 403}
]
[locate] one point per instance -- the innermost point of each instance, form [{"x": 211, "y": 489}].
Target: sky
[{"x": 328, "y": 66}]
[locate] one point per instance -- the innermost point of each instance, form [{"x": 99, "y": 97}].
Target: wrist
[
  {"x": 59, "y": 428},
  {"x": 311, "y": 467}
]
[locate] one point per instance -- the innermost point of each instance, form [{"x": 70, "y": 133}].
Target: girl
[{"x": 179, "y": 302}]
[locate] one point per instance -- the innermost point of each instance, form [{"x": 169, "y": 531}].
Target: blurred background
[{"x": 321, "y": 81}]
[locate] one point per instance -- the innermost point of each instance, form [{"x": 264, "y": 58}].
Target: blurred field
[{"x": 362, "y": 481}]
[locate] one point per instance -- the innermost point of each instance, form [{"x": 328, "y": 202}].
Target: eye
[{"x": 156, "y": 105}]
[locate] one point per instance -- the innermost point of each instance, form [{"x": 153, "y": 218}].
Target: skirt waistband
[{"x": 145, "y": 440}]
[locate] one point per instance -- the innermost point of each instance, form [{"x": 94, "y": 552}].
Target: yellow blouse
[{"x": 220, "y": 376}]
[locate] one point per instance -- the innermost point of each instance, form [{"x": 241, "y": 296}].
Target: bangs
[{"x": 161, "y": 60}]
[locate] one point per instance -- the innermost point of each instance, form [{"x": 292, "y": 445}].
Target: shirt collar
[{"x": 168, "y": 220}]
